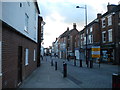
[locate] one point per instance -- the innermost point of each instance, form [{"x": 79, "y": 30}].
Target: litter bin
[
  {"x": 115, "y": 80},
  {"x": 64, "y": 70}
]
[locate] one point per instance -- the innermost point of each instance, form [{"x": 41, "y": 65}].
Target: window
[
  {"x": 104, "y": 36},
  {"x": 34, "y": 54},
  {"x": 119, "y": 14},
  {"x": 84, "y": 40},
  {"x": 35, "y": 14},
  {"x": 110, "y": 35},
  {"x": 26, "y": 22},
  {"x": 28, "y": 3},
  {"x": 90, "y": 39},
  {"x": 20, "y": 4},
  {"x": 26, "y": 56},
  {"x": 91, "y": 29},
  {"x": 109, "y": 20},
  {"x": 87, "y": 31},
  {"x": 103, "y": 22}
]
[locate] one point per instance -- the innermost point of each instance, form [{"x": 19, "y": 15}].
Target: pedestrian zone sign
[{"x": 95, "y": 51}]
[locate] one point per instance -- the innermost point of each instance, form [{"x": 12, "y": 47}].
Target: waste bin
[{"x": 115, "y": 80}]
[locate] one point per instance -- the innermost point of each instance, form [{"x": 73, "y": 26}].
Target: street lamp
[{"x": 85, "y": 7}]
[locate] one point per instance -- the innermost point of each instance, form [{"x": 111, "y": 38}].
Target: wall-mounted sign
[{"x": 95, "y": 51}]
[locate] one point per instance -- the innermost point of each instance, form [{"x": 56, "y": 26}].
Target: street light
[{"x": 85, "y": 7}]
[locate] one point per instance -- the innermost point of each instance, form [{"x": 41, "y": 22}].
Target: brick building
[
  {"x": 66, "y": 44},
  {"x": 110, "y": 34},
  {"x": 21, "y": 27},
  {"x": 93, "y": 38},
  {"x": 71, "y": 41},
  {"x": 77, "y": 45},
  {"x": 63, "y": 44}
]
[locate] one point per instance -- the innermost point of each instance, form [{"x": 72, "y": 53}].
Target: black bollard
[
  {"x": 87, "y": 62},
  {"x": 55, "y": 65},
  {"x": 75, "y": 61},
  {"x": 51, "y": 62},
  {"x": 64, "y": 70},
  {"x": 91, "y": 64},
  {"x": 80, "y": 62},
  {"x": 99, "y": 62}
]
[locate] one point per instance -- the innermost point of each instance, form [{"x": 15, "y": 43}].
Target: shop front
[{"x": 108, "y": 53}]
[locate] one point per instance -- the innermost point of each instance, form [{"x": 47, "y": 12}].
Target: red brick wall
[{"x": 11, "y": 41}]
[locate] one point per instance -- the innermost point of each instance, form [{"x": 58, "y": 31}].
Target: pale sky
[{"x": 60, "y": 14}]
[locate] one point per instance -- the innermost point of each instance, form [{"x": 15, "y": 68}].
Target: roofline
[{"x": 37, "y": 6}]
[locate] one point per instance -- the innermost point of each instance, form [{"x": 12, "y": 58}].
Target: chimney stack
[
  {"x": 99, "y": 15},
  {"x": 74, "y": 25},
  {"x": 67, "y": 28},
  {"x": 110, "y": 7}
]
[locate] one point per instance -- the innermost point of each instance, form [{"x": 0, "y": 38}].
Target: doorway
[{"x": 19, "y": 65}]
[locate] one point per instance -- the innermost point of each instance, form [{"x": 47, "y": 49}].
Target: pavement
[
  {"x": 47, "y": 77},
  {"x": 96, "y": 77},
  {"x": 77, "y": 77}
]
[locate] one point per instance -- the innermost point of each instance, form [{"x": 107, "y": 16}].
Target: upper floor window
[
  {"x": 28, "y": 3},
  {"x": 90, "y": 39},
  {"x": 91, "y": 29},
  {"x": 104, "y": 36},
  {"x": 20, "y": 4},
  {"x": 26, "y": 22},
  {"x": 109, "y": 20},
  {"x": 35, "y": 14},
  {"x": 87, "y": 31},
  {"x": 110, "y": 35},
  {"x": 103, "y": 22},
  {"x": 84, "y": 40}
]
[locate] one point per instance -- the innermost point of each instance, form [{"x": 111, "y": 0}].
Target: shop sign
[{"x": 95, "y": 51}]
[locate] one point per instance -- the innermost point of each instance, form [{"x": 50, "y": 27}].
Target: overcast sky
[{"x": 60, "y": 14}]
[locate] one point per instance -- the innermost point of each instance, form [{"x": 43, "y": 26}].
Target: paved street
[
  {"x": 78, "y": 77},
  {"x": 47, "y": 77}
]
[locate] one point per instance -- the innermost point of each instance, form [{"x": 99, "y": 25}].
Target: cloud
[{"x": 60, "y": 14}]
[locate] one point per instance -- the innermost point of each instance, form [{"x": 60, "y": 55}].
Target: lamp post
[{"x": 85, "y": 7}]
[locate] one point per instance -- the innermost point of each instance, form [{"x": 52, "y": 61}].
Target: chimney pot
[{"x": 74, "y": 25}]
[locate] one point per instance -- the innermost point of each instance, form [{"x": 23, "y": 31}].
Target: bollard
[
  {"x": 91, "y": 64},
  {"x": 64, "y": 70},
  {"x": 51, "y": 62},
  {"x": 87, "y": 62},
  {"x": 80, "y": 63},
  {"x": 115, "y": 81},
  {"x": 55, "y": 65},
  {"x": 75, "y": 61},
  {"x": 99, "y": 62}
]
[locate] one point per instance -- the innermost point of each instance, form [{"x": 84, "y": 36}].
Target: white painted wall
[{"x": 14, "y": 15}]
